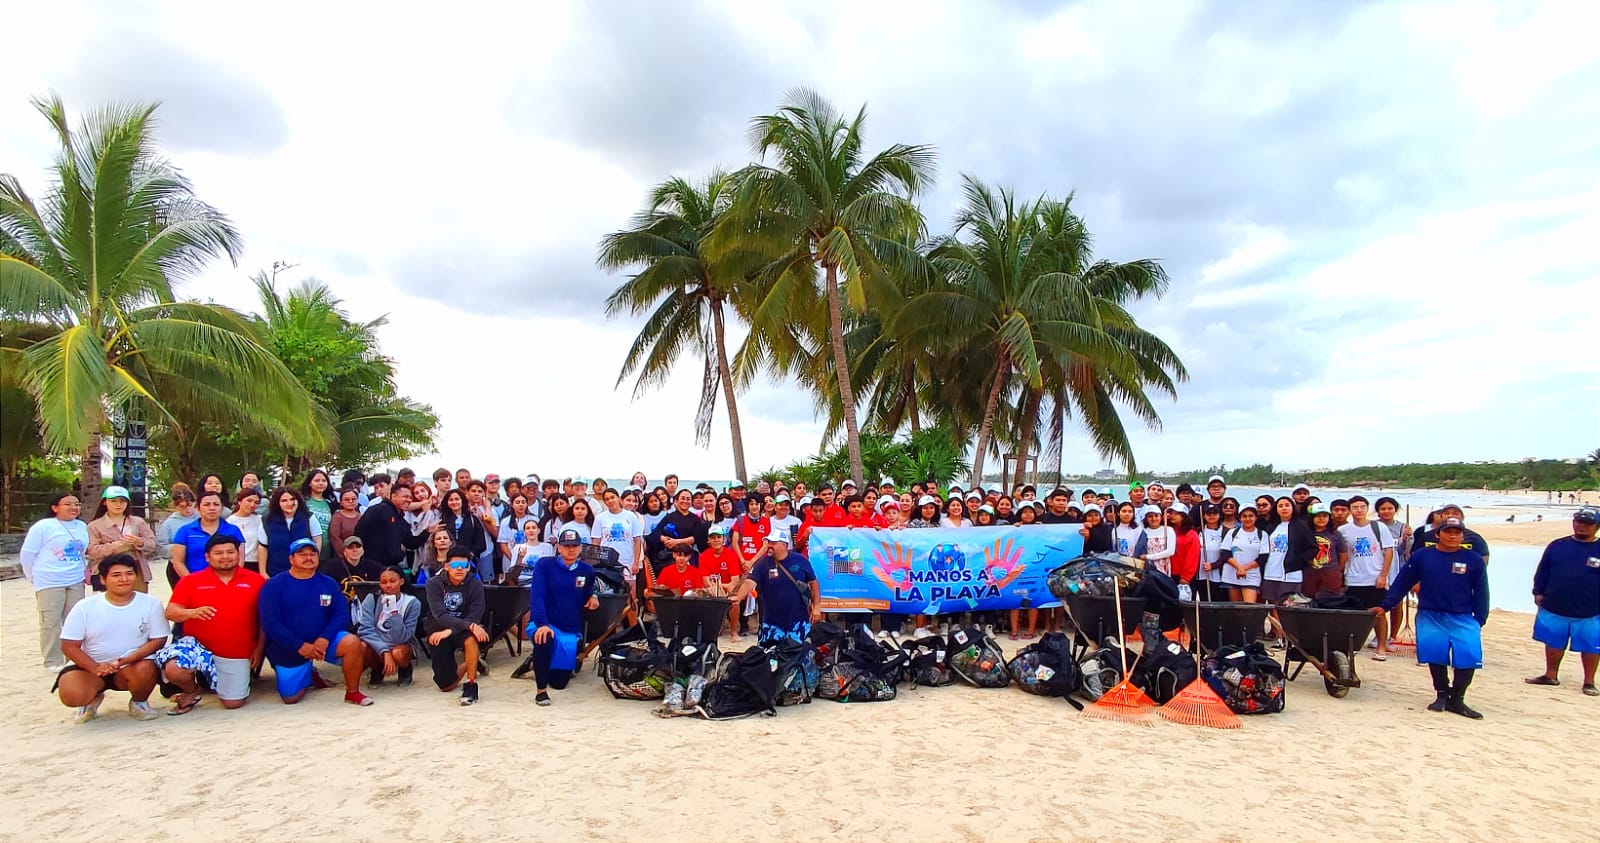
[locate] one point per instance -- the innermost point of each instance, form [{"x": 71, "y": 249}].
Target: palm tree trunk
[
  {"x": 911, "y": 399},
  {"x": 726, "y": 374},
  {"x": 988, "y": 419},
  {"x": 1030, "y": 414},
  {"x": 841, "y": 367},
  {"x": 6, "y": 476},
  {"x": 89, "y": 472}
]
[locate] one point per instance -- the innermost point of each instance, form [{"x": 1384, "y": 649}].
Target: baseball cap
[
  {"x": 889, "y": 503},
  {"x": 1135, "y": 485},
  {"x": 717, "y": 530},
  {"x": 1299, "y": 487},
  {"x": 114, "y": 492},
  {"x": 927, "y": 499},
  {"x": 806, "y": 501},
  {"x": 491, "y": 478},
  {"x": 1587, "y": 515},
  {"x": 568, "y": 538},
  {"x": 887, "y": 481},
  {"x": 974, "y": 495},
  {"x": 298, "y": 544},
  {"x": 1148, "y": 509},
  {"x": 1318, "y": 508},
  {"x": 1450, "y": 524},
  {"x": 737, "y": 484},
  {"x": 580, "y": 481},
  {"x": 1216, "y": 478},
  {"x": 850, "y": 483},
  {"x": 780, "y": 499},
  {"x": 986, "y": 508},
  {"x": 353, "y": 541},
  {"x": 779, "y": 536}
]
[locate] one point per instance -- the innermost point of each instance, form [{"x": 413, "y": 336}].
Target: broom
[
  {"x": 1125, "y": 701},
  {"x": 1197, "y": 704}
]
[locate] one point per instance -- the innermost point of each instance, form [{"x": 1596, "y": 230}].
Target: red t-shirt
[
  {"x": 231, "y": 633},
  {"x": 833, "y": 516},
  {"x": 864, "y": 520},
  {"x": 682, "y": 580},
  {"x": 751, "y": 535},
  {"x": 723, "y": 564}
]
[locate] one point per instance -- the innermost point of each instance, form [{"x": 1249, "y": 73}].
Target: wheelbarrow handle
[{"x": 1314, "y": 661}]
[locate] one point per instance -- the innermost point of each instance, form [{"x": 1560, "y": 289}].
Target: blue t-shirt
[
  {"x": 782, "y": 604},
  {"x": 193, "y": 538},
  {"x": 1568, "y": 577},
  {"x": 1456, "y": 582},
  {"x": 295, "y": 612}
]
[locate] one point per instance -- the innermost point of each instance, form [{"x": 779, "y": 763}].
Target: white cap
[
  {"x": 887, "y": 481},
  {"x": 1298, "y": 487},
  {"x": 1148, "y": 509},
  {"x": 805, "y": 501},
  {"x": 974, "y": 494},
  {"x": 927, "y": 499},
  {"x": 1216, "y": 478}
]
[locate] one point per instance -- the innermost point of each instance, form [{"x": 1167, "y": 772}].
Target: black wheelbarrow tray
[{"x": 1327, "y": 639}]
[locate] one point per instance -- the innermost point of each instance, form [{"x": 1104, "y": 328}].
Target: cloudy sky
[{"x": 1380, "y": 219}]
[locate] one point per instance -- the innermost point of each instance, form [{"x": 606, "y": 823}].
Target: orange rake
[
  {"x": 1125, "y": 701},
  {"x": 1197, "y": 704}
]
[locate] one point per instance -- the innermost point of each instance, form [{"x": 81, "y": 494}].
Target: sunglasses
[{"x": 461, "y": 566}]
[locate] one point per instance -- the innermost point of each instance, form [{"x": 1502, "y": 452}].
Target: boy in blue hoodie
[{"x": 1452, "y": 607}]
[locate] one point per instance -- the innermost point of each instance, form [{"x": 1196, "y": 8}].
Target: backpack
[
  {"x": 634, "y": 666},
  {"x": 977, "y": 659},
  {"x": 1047, "y": 668},
  {"x": 925, "y": 662},
  {"x": 1247, "y": 679},
  {"x": 1165, "y": 667}
]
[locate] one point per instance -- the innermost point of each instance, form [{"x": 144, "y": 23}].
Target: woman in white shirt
[
  {"x": 955, "y": 513},
  {"x": 1160, "y": 542},
  {"x": 253, "y": 553},
  {"x": 1211, "y": 535},
  {"x": 53, "y": 559},
  {"x": 1242, "y": 550},
  {"x": 1128, "y": 532}
]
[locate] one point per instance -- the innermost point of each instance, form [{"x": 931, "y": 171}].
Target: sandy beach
[{"x": 938, "y": 764}]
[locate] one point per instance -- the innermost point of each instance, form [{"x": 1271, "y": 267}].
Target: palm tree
[
  {"x": 686, "y": 291},
  {"x": 821, "y": 204},
  {"x": 1020, "y": 287},
  {"x": 94, "y": 266}
]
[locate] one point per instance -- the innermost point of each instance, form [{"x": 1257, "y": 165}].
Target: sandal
[
  {"x": 1541, "y": 679},
  {"x": 1013, "y": 636},
  {"x": 184, "y": 705},
  {"x": 1591, "y": 691},
  {"x": 1380, "y": 657}
]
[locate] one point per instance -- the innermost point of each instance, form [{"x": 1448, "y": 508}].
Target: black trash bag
[
  {"x": 1047, "y": 668},
  {"x": 925, "y": 662},
  {"x": 1338, "y": 601},
  {"x": 1247, "y": 678},
  {"x": 827, "y": 639},
  {"x": 798, "y": 673},
  {"x": 693, "y": 663},
  {"x": 745, "y": 683},
  {"x": 977, "y": 659},
  {"x": 1165, "y": 667}
]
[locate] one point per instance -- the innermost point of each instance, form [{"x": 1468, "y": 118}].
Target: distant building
[{"x": 1105, "y": 474}]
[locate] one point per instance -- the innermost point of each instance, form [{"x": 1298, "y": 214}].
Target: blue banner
[{"x": 932, "y": 571}]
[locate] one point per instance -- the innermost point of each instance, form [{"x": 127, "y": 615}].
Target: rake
[
  {"x": 1125, "y": 701},
  {"x": 1197, "y": 704}
]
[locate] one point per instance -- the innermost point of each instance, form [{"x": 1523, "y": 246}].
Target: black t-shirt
[
  {"x": 367, "y": 569},
  {"x": 676, "y": 525},
  {"x": 1048, "y": 517}
]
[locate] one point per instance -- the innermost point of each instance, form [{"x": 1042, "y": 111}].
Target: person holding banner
[{"x": 790, "y": 596}]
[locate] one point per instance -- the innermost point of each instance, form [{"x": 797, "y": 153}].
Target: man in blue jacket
[
  {"x": 306, "y": 617},
  {"x": 1452, "y": 607},
  {"x": 1566, "y": 586},
  {"x": 561, "y": 589}
]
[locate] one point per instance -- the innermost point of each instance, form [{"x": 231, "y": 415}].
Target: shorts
[
  {"x": 1371, "y": 596},
  {"x": 189, "y": 655},
  {"x": 1559, "y": 632},
  {"x": 292, "y": 680},
  {"x": 232, "y": 678},
  {"x": 1273, "y": 591},
  {"x": 105, "y": 681},
  {"x": 1449, "y": 638},
  {"x": 1325, "y": 580}
]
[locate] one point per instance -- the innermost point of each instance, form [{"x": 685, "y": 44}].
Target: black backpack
[
  {"x": 744, "y": 684},
  {"x": 1048, "y": 669},
  {"x": 977, "y": 659},
  {"x": 925, "y": 662},
  {"x": 1164, "y": 667},
  {"x": 1248, "y": 679}
]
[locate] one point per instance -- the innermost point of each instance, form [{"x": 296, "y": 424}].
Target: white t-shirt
[
  {"x": 109, "y": 631},
  {"x": 788, "y": 525},
  {"x": 1128, "y": 538},
  {"x": 1245, "y": 547},
  {"x": 52, "y": 553},
  {"x": 254, "y": 534},
  {"x": 510, "y": 530},
  {"x": 1211, "y": 545},
  {"x": 1278, "y": 552},
  {"x": 1367, "y": 545},
  {"x": 582, "y": 528},
  {"x": 617, "y": 530}
]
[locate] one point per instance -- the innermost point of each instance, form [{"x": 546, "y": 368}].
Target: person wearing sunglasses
[{"x": 456, "y": 605}]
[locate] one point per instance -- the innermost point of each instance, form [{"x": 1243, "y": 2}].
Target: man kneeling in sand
[
  {"x": 561, "y": 589},
  {"x": 110, "y": 641},
  {"x": 455, "y": 612}
]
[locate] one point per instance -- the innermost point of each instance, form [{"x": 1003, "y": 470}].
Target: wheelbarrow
[
  {"x": 1094, "y": 617},
  {"x": 700, "y": 619},
  {"x": 1327, "y": 639},
  {"x": 1223, "y": 623}
]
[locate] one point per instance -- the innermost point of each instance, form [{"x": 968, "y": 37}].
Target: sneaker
[
  {"x": 85, "y": 713},
  {"x": 469, "y": 693},
  {"x": 140, "y": 710},
  {"x": 375, "y": 677},
  {"x": 403, "y": 677},
  {"x": 541, "y": 698},
  {"x": 357, "y": 698}
]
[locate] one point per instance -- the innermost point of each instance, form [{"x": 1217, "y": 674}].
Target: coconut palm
[
  {"x": 1021, "y": 286},
  {"x": 94, "y": 265},
  {"x": 821, "y": 204},
  {"x": 686, "y": 292}
]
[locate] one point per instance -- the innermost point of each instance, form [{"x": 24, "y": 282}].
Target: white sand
[{"x": 937, "y": 764}]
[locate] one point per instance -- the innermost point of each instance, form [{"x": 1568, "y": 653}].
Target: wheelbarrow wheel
[{"x": 1339, "y": 663}]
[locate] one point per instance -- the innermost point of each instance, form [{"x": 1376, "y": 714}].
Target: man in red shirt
[
  {"x": 222, "y": 642},
  {"x": 681, "y": 576}
]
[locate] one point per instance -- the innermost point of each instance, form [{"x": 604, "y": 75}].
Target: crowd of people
[{"x": 261, "y": 576}]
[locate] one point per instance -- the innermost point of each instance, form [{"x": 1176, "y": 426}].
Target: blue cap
[
  {"x": 299, "y": 543},
  {"x": 569, "y": 538}
]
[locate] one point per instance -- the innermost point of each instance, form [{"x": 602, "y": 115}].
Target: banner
[
  {"x": 129, "y": 467},
  {"x": 937, "y": 570}
]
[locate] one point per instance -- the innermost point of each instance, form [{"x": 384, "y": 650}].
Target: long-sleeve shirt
[
  {"x": 169, "y": 527},
  {"x": 1456, "y": 582},
  {"x": 298, "y": 611},
  {"x": 341, "y": 526},
  {"x": 383, "y": 631},
  {"x": 386, "y": 535},
  {"x": 1568, "y": 578},
  {"x": 558, "y": 593},
  {"x": 455, "y": 607},
  {"x": 104, "y": 532},
  {"x": 1186, "y": 558}
]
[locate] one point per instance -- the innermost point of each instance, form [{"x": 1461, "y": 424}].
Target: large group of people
[{"x": 260, "y": 576}]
